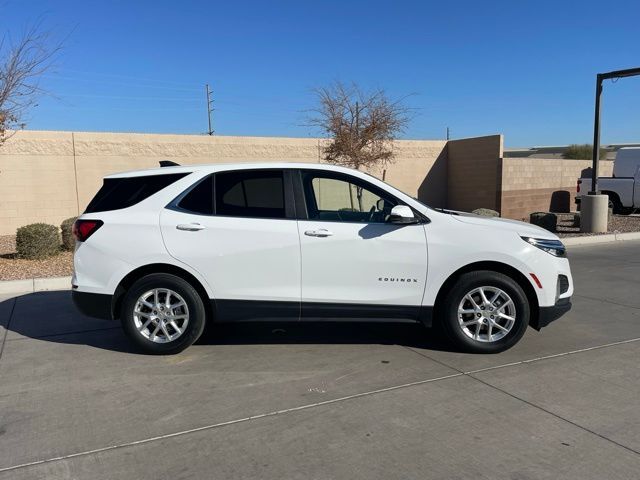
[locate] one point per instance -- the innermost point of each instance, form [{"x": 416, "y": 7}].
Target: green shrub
[
  {"x": 548, "y": 221},
  {"x": 37, "y": 240},
  {"x": 582, "y": 152},
  {"x": 485, "y": 212},
  {"x": 68, "y": 240}
]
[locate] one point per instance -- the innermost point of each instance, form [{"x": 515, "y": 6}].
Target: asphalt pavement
[{"x": 328, "y": 401}]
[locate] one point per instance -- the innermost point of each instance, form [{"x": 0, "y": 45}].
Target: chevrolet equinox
[{"x": 169, "y": 249}]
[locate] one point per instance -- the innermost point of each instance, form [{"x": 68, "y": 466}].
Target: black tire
[
  {"x": 197, "y": 313},
  {"x": 627, "y": 211},
  {"x": 465, "y": 284},
  {"x": 615, "y": 204}
]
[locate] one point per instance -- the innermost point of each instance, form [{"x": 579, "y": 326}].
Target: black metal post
[
  {"x": 596, "y": 139},
  {"x": 630, "y": 72}
]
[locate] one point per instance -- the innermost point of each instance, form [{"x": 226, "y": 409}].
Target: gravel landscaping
[
  {"x": 617, "y": 224},
  {"x": 13, "y": 268}
]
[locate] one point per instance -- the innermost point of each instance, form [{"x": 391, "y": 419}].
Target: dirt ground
[{"x": 14, "y": 268}]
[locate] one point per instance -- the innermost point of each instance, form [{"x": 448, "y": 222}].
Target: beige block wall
[
  {"x": 99, "y": 154},
  {"x": 474, "y": 173},
  {"x": 37, "y": 180},
  {"x": 420, "y": 170},
  {"x": 49, "y": 176},
  {"x": 40, "y": 172},
  {"x": 535, "y": 184}
]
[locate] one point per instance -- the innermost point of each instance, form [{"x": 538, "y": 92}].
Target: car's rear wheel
[
  {"x": 163, "y": 314},
  {"x": 485, "y": 312}
]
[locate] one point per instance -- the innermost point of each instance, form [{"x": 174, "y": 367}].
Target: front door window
[{"x": 345, "y": 199}]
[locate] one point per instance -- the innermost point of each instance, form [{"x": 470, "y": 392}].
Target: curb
[
  {"x": 35, "y": 285},
  {"x": 595, "y": 239}
]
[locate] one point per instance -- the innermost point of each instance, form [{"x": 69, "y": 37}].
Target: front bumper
[
  {"x": 546, "y": 315},
  {"x": 96, "y": 305}
]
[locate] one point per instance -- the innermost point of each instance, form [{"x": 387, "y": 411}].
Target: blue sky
[{"x": 522, "y": 68}]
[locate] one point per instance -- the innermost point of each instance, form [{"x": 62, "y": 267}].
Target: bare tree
[
  {"x": 22, "y": 63},
  {"x": 361, "y": 126}
]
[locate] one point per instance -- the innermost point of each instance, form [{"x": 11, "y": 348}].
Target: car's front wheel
[
  {"x": 162, "y": 314},
  {"x": 485, "y": 312}
]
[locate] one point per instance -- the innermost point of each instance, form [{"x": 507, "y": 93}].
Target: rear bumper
[
  {"x": 96, "y": 305},
  {"x": 546, "y": 315}
]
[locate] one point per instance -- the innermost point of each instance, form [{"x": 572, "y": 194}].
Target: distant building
[{"x": 557, "y": 151}]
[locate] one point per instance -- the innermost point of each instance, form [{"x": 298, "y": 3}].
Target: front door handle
[
  {"x": 190, "y": 227},
  {"x": 321, "y": 232}
]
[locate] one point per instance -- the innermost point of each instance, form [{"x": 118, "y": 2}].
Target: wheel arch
[
  {"x": 138, "y": 273},
  {"x": 493, "y": 266},
  {"x": 615, "y": 199}
]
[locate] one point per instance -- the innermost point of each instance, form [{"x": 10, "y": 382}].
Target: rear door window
[
  {"x": 250, "y": 193},
  {"x": 118, "y": 193}
]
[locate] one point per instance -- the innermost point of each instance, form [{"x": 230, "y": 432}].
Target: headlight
[{"x": 554, "y": 247}]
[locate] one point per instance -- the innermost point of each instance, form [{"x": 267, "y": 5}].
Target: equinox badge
[{"x": 395, "y": 279}]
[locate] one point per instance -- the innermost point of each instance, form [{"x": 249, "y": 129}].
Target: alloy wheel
[
  {"x": 161, "y": 315},
  {"x": 486, "y": 314}
]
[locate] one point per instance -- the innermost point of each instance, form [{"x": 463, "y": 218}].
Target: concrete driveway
[{"x": 328, "y": 401}]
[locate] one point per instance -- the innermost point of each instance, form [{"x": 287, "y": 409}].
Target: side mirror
[{"x": 401, "y": 214}]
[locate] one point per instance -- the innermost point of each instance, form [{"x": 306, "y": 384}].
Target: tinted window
[
  {"x": 344, "y": 199},
  {"x": 200, "y": 198},
  {"x": 250, "y": 194},
  {"x": 117, "y": 193}
]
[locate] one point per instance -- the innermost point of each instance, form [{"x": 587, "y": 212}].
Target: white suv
[{"x": 167, "y": 250}]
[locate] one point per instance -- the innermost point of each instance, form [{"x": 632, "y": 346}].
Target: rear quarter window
[
  {"x": 118, "y": 193},
  {"x": 199, "y": 199}
]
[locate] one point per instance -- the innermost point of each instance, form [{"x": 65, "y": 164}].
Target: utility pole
[
  {"x": 209, "y": 109},
  {"x": 447, "y": 133}
]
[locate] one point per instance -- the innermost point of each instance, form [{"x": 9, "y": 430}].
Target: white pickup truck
[{"x": 623, "y": 188}]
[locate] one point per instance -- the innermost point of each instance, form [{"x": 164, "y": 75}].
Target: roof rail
[{"x": 168, "y": 163}]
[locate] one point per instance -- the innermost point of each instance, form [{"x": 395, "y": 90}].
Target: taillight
[
  {"x": 578, "y": 186},
  {"x": 83, "y": 229}
]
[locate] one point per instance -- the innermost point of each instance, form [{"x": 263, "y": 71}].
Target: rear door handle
[
  {"x": 321, "y": 232},
  {"x": 190, "y": 227}
]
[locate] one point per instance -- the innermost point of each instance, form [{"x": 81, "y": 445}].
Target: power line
[
  {"x": 126, "y": 97},
  {"x": 119, "y": 83},
  {"x": 248, "y": 101},
  {"x": 148, "y": 80},
  {"x": 124, "y": 109}
]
